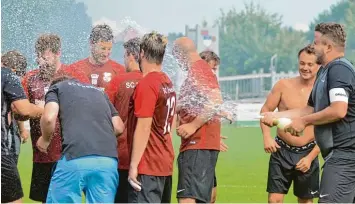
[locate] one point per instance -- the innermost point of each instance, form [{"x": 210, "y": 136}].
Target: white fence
[{"x": 251, "y": 86}]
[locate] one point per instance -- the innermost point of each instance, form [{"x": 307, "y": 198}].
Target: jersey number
[{"x": 171, "y": 111}]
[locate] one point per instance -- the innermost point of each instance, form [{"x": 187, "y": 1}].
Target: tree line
[{"x": 248, "y": 38}]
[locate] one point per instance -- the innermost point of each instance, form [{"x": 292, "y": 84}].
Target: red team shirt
[
  {"x": 120, "y": 91},
  {"x": 104, "y": 73},
  {"x": 154, "y": 97},
  {"x": 199, "y": 83},
  {"x": 35, "y": 88}
]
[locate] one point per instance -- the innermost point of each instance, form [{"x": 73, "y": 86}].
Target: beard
[
  {"x": 320, "y": 57},
  {"x": 47, "y": 71}
]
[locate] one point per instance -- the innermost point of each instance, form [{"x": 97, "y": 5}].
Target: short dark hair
[
  {"x": 309, "y": 49},
  {"x": 60, "y": 78},
  {"x": 48, "y": 41},
  {"x": 15, "y": 60},
  {"x": 101, "y": 32},
  {"x": 333, "y": 31},
  {"x": 132, "y": 48},
  {"x": 153, "y": 44},
  {"x": 209, "y": 55}
]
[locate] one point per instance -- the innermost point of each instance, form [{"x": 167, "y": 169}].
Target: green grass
[{"x": 241, "y": 172}]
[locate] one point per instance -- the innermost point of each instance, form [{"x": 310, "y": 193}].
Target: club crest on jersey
[
  {"x": 107, "y": 77},
  {"x": 94, "y": 78}
]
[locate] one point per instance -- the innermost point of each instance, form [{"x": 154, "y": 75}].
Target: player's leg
[
  {"x": 338, "y": 181},
  {"x": 279, "y": 176},
  {"x": 306, "y": 185},
  {"x": 101, "y": 177},
  {"x": 152, "y": 190},
  {"x": 11, "y": 189},
  {"x": 214, "y": 189},
  {"x": 41, "y": 178},
  {"x": 66, "y": 183},
  {"x": 194, "y": 186},
  {"x": 122, "y": 191}
]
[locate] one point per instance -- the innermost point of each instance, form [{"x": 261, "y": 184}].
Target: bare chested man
[{"x": 293, "y": 158}]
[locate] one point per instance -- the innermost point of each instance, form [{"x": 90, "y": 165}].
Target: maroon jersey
[
  {"x": 200, "y": 87},
  {"x": 99, "y": 75},
  {"x": 36, "y": 90},
  {"x": 120, "y": 91},
  {"x": 154, "y": 97}
]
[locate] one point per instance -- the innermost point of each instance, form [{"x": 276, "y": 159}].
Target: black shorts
[
  {"x": 338, "y": 181},
  {"x": 282, "y": 172},
  {"x": 41, "y": 178},
  {"x": 122, "y": 191},
  {"x": 155, "y": 189},
  {"x": 196, "y": 174},
  {"x": 11, "y": 188}
]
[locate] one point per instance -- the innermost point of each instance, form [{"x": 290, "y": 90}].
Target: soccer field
[{"x": 241, "y": 172}]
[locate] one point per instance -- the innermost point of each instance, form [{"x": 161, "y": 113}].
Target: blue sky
[{"x": 172, "y": 15}]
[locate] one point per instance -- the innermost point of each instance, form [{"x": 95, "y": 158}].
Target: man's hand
[
  {"x": 25, "y": 134},
  {"x": 223, "y": 147},
  {"x": 186, "y": 130},
  {"x": 268, "y": 119},
  {"x": 228, "y": 116},
  {"x": 42, "y": 144},
  {"x": 304, "y": 164},
  {"x": 132, "y": 179},
  {"x": 270, "y": 145},
  {"x": 296, "y": 127}
]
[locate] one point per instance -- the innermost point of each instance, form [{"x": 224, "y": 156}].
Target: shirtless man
[{"x": 293, "y": 158}]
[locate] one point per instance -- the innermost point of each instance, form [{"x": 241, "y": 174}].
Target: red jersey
[
  {"x": 195, "y": 92},
  {"x": 36, "y": 88},
  {"x": 99, "y": 75},
  {"x": 120, "y": 91},
  {"x": 66, "y": 70},
  {"x": 154, "y": 97},
  {"x": 25, "y": 79}
]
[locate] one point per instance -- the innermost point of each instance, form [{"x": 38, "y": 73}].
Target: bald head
[
  {"x": 185, "y": 44},
  {"x": 185, "y": 52}
]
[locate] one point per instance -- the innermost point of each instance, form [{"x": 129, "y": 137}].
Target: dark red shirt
[
  {"x": 120, "y": 91},
  {"x": 67, "y": 71},
  {"x": 154, "y": 97},
  {"x": 36, "y": 88},
  {"x": 195, "y": 92},
  {"x": 99, "y": 75}
]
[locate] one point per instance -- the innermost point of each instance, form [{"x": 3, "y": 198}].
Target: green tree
[
  {"x": 342, "y": 12},
  {"x": 249, "y": 38},
  {"x": 22, "y": 21}
]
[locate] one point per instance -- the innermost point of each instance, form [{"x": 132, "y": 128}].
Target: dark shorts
[
  {"x": 155, "y": 189},
  {"x": 338, "y": 181},
  {"x": 41, "y": 178},
  {"x": 11, "y": 188},
  {"x": 282, "y": 172},
  {"x": 196, "y": 174},
  {"x": 122, "y": 191}
]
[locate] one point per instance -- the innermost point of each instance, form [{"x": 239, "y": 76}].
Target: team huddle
[{"x": 105, "y": 130}]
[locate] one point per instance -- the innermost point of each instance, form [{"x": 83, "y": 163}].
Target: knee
[
  {"x": 214, "y": 195},
  {"x": 275, "y": 198},
  {"x": 186, "y": 200},
  {"x": 303, "y": 200}
]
